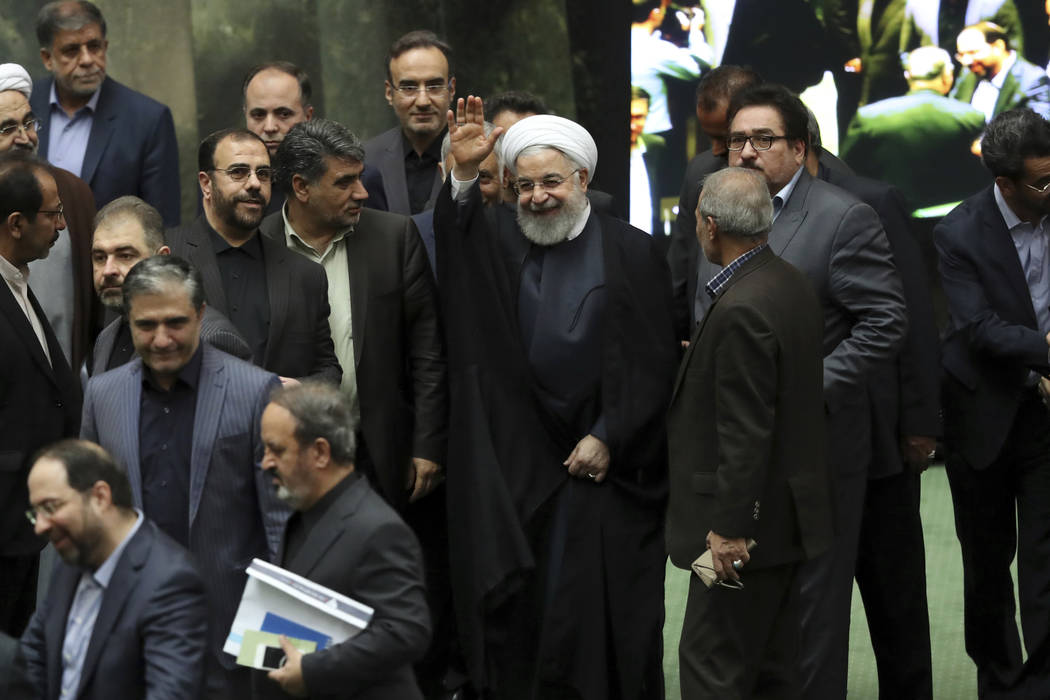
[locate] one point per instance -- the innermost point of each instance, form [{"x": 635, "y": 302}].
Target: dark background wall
[{"x": 193, "y": 54}]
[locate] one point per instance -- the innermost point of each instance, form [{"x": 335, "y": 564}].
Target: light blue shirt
[
  {"x": 69, "y": 136},
  {"x": 82, "y": 615},
  {"x": 1031, "y": 244},
  {"x": 781, "y": 197}
]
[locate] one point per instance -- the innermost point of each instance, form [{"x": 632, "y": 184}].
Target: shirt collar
[
  {"x": 105, "y": 572},
  {"x": 295, "y": 241},
  {"x": 719, "y": 281},
  {"x": 91, "y": 106},
  {"x": 220, "y": 245},
  {"x": 1000, "y": 77},
  {"x": 433, "y": 150},
  {"x": 189, "y": 375},
  {"x": 785, "y": 193},
  {"x": 12, "y": 274},
  {"x": 1011, "y": 219}
]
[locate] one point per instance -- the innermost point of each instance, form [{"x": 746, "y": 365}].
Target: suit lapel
[
  {"x": 357, "y": 264},
  {"x": 1010, "y": 88},
  {"x": 128, "y": 412},
  {"x": 328, "y": 529},
  {"x": 102, "y": 128},
  {"x": 125, "y": 578},
  {"x": 1002, "y": 253},
  {"x": 24, "y": 330},
  {"x": 60, "y": 600},
  {"x": 790, "y": 219},
  {"x": 278, "y": 289},
  {"x": 211, "y": 395},
  {"x": 393, "y": 169},
  {"x": 202, "y": 255},
  {"x": 104, "y": 347}
]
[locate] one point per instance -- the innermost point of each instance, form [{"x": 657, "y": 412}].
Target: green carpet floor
[{"x": 954, "y": 676}]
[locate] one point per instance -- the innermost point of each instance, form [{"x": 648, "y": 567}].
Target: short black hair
[
  {"x": 206, "y": 151},
  {"x": 87, "y": 464},
  {"x": 19, "y": 187},
  {"x": 1010, "y": 138},
  {"x": 66, "y": 16},
  {"x": 419, "y": 39},
  {"x": 517, "y": 101},
  {"x": 719, "y": 86},
  {"x": 301, "y": 77},
  {"x": 792, "y": 112}
]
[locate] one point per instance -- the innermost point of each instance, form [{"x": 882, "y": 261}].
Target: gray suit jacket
[
  {"x": 839, "y": 243},
  {"x": 233, "y": 513},
  {"x": 216, "y": 331},
  {"x": 149, "y": 639},
  {"x": 386, "y": 153},
  {"x": 362, "y": 549}
]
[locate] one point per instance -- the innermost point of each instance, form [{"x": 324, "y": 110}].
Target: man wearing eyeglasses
[
  {"x": 63, "y": 279},
  {"x": 41, "y": 401},
  {"x": 276, "y": 299},
  {"x": 420, "y": 88},
  {"x": 997, "y": 78},
  {"x": 840, "y": 244},
  {"x": 118, "y": 140},
  {"x": 993, "y": 263}
]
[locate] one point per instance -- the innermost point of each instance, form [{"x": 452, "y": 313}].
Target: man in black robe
[{"x": 561, "y": 356}]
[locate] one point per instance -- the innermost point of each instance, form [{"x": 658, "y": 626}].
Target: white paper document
[{"x": 277, "y": 601}]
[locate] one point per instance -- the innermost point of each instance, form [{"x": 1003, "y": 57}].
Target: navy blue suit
[
  {"x": 998, "y": 447},
  {"x": 131, "y": 150},
  {"x": 149, "y": 638}
]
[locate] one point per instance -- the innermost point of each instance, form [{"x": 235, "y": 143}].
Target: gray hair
[
  {"x": 446, "y": 143},
  {"x": 1010, "y": 138},
  {"x": 305, "y": 146},
  {"x": 738, "y": 199},
  {"x": 322, "y": 411},
  {"x": 63, "y": 16},
  {"x": 927, "y": 63},
  {"x": 153, "y": 275},
  {"x": 131, "y": 207}
]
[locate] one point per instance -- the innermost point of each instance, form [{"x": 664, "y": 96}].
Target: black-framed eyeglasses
[
  {"x": 30, "y": 124},
  {"x": 61, "y": 211},
  {"x": 759, "y": 142},
  {"x": 1040, "y": 190},
  {"x": 547, "y": 184},
  {"x": 411, "y": 90},
  {"x": 48, "y": 508},
  {"x": 240, "y": 173}
]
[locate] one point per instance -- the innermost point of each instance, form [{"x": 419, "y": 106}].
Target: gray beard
[{"x": 553, "y": 228}]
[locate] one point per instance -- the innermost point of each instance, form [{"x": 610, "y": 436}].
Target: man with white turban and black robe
[{"x": 561, "y": 357}]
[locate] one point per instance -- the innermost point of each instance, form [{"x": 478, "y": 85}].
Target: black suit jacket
[
  {"x": 745, "y": 428},
  {"x": 399, "y": 354},
  {"x": 362, "y": 549},
  {"x": 386, "y": 153},
  {"x": 904, "y": 391},
  {"x": 300, "y": 341},
  {"x": 39, "y": 404},
  {"x": 131, "y": 149},
  {"x": 150, "y": 635},
  {"x": 992, "y": 340}
]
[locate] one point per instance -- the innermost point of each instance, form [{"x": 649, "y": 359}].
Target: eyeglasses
[
  {"x": 1040, "y": 190},
  {"x": 759, "y": 142},
  {"x": 546, "y": 184},
  {"x": 240, "y": 173},
  {"x": 30, "y": 124},
  {"x": 61, "y": 211},
  {"x": 412, "y": 90},
  {"x": 48, "y": 508}
]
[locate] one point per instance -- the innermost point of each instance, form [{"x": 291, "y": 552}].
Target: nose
[
  {"x": 359, "y": 193},
  {"x": 539, "y": 194},
  {"x": 423, "y": 97},
  {"x": 109, "y": 268},
  {"x": 42, "y": 525},
  {"x": 270, "y": 124},
  {"x": 162, "y": 339},
  {"x": 85, "y": 58}
]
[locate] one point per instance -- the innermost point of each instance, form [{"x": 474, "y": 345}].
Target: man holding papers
[{"x": 345, "y": 537}]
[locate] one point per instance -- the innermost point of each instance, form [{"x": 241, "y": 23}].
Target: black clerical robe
[{"x": 598, "y": 602}]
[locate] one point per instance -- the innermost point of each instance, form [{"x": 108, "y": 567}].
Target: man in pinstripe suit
[{"x": 183, "y": 419}]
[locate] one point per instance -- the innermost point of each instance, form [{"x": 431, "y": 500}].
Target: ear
[
  {"x": 585, "y": 178},
  {"x": 163, "y": 250},
  {"x": 309, "y": 113},
  {"x": 799, "y": 150},
  {"x": 301, "y": 188},
  {"x": 389, "y": 91},
  {"x": 452, "y": 88},
  {"x": 205, "y": 183},
  {"x": 14, "y": 224},
  {"x": 45, "y": 57},
  {"x": 101, "y": 494},
  {"x": 1006, "y": 185},
  {"x": 323, "y": 450}
]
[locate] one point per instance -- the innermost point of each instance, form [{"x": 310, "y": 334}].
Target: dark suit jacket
[
  {"x": 386, "y": 153},
  {"x": 1026, "y": 85},
  {"x": 150, "y": 636},
  {"x": 216, "y": 330},
  {"x": 362, "y": 549},
  {"x": 839, "y": 243},
  {"x": 131, "y": 150},
  {"x": 79, "y": 205},
  {"x": 399, "y": 355},
  {"x": 300, "y": 341},
  {"x": 904, "y": 391},
  {"x": 745, "y": 428},
  {"x": 992, "y": 340},
  {"x": 684, "y": 254},
  {"x": 937, "y": 133},
  {"x": 39, "y": 404},
  {"x": 233, "y": 513}
]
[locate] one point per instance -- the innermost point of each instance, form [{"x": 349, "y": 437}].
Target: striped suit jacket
[{"x": 233, "y": 513}]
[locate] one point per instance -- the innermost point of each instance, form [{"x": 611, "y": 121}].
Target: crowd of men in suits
[{"x": 440, "y": 378}]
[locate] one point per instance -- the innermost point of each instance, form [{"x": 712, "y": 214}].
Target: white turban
[
  {"x": 553, "y": 132},
  {"x": 15, "y": 77}
]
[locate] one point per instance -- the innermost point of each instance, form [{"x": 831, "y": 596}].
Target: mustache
[{"x": 254, "y": 198}]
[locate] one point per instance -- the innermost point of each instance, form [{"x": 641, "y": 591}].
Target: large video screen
[{"x": 902, "y": 89}]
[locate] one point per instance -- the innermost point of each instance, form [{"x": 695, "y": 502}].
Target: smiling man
[
  {"x": 250, "y": 278},
  {"x": 182, "y": 419},
  {"x": 420, "y": 87},
  {"x": 118, "y": 140}
]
